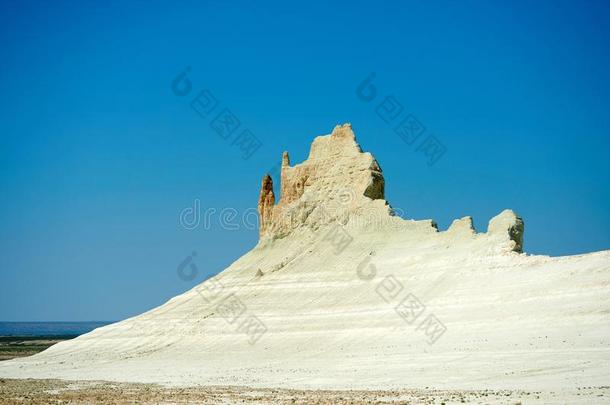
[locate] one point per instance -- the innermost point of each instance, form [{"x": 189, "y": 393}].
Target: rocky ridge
[{"x": 339, "y": 183}]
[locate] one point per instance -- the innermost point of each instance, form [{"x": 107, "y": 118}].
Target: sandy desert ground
[{"x": 59, "y": 391}]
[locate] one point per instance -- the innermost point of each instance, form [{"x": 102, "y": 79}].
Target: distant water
[{"x": 48, "y": 328}]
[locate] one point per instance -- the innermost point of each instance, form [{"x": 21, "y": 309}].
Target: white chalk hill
[{"x": 340, "y": 293}]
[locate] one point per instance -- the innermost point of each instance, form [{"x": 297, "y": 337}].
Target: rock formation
[
  {"x": 337, "y": 176},
  {"x": 266, "y": 204},
  {"x": 508, "y": 223},
  {"x": 462, "y": 225},
  {"x": 337, "y": 183},
  {"x": 341, "y": 293}
]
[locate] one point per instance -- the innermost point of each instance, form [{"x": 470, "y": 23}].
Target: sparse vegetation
[{"x": 21, "y": 346}]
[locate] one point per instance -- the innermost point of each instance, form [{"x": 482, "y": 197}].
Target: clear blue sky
[{"x": 98, "y": 156}]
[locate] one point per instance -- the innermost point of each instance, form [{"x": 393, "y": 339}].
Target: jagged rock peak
[
  {"x": 285, "y": 159},
  {"x": 337, "y": 174},
  {"x": 339, "y": 183},
  {"x": 508, "y": 224},
  {"x": 266, "y": 202}
]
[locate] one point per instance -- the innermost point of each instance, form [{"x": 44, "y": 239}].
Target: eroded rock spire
[
  {"x": 266, "y": 202},
  {"x": 310, "y": 190}
]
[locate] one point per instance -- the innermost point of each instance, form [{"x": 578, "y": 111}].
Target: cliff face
[{"x": 335, "y": 180}]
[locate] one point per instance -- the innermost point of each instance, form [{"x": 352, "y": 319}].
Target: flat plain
[{"x": 31, "y": 391}]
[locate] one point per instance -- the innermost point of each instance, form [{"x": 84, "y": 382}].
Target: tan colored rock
[
  {"x": 339, "y": 183},
  {"x": 335, "y": 180},
  {"x": 266, "y": 203}
]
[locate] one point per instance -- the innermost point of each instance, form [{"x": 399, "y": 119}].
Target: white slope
[{"x": 332, "y": 315}]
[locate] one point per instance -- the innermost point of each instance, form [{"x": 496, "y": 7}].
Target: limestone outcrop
[
  {"x": 335, "y": 180},
  {"x": 508, "y": 224},
  {"x": 339, "y": 183},
  {"x": 266, "y": 203},
  {"x": 462, "y": 225}
]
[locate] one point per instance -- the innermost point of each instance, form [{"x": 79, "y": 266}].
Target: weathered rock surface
[
  {"x": 266, "y": 204},
  {"x": 339, "y": 183},
  {"x": 336, "y": 180},
  {"x": 507, "y": 223},
  {"x": 462, "y": 225}
]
